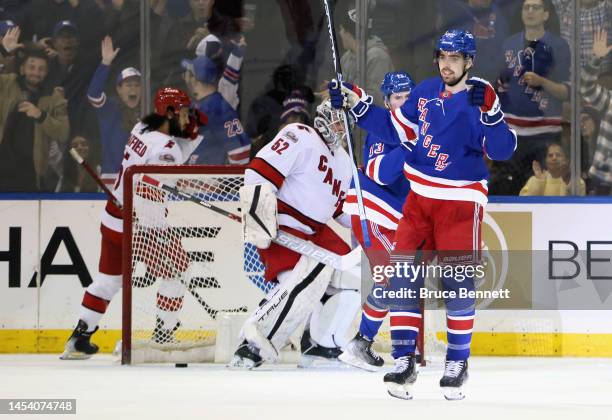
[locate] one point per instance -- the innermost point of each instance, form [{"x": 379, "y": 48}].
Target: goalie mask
[{"x": 330, "y": 124}]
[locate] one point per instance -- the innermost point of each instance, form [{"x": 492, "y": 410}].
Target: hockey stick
[
  {"x": 210, "y": 311},
  {"x": 349, "y": 262},
  {"x": 79, "y": 159},
  {"x": 347, "y": 130}
]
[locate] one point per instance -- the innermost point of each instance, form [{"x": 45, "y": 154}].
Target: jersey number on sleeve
[{"x": 280, "y": 145}]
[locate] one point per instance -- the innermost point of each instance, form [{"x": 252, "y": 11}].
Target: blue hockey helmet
[
  {"x": 396, "y": 81},
  {"x": 457, "y": 40}
]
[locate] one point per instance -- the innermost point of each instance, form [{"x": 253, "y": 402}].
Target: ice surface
[{"x": 499, "y": 388}]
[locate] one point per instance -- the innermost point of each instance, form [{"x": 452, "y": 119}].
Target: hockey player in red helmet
[{"x": 167, "y": 136}]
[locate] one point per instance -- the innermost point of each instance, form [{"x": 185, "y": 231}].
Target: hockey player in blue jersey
[
  {"x": 225, "y": 141},
  {"x": 383, "y": 202},
  {"x": 447, "y": 126}
]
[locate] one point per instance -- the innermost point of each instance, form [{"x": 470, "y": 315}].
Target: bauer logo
[{"x": 507, "y": 244}]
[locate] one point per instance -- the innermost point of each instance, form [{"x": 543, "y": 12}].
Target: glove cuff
[
  {"x": 491, "y": 119},
  {"x": 361, "y": 107}
]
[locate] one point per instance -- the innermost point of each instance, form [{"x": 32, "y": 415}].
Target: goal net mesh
[{"x": 188, "y": 269}]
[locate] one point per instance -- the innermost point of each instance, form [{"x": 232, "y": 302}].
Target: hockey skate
[
  {"x": 246, "y": 357},
  {"x": 313, "y": 353},
  {"x": 259, "y": 341},
  {"x": 163, "y": 335},
  {"x": 455, "y": 375},
  {"x": 78, "y": 346},
  {"x": 400, "y": 381},
  {"x": 359, "y": 353}
]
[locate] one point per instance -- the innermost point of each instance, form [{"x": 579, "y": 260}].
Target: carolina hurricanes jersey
[
  {"x": 310, "y": 179},
  {"x": 148, "y": 147}
]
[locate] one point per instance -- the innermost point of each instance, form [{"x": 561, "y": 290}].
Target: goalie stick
[
  {"x": 347, "y": 130},
  {"x": 349, "y": 262},
  {"x": 189, "y": 286}
]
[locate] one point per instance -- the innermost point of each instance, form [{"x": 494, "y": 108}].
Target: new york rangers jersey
[
  {"x": 311, "y": 180},
  {"x": 148, "y": 147},
  {"x": 225, "y": 141},
  {"x": 532, "y": 110},
  {"x": 383, "y": 200},
  {"x": 447, "y": 160}
]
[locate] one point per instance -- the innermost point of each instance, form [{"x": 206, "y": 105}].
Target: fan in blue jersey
[
  {"x": 116, "y": 116},
  {"x": 447, "y": 127},
  {"x": 383, "y": 203},
  {"x": 225, "y": 141}
]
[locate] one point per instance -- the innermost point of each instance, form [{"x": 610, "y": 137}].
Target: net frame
[{"x": 128, "y": 228}]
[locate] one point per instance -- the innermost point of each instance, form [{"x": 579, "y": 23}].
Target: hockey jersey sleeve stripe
[
  {"x": 533, "y": 126},
  {"x": 231, "y": 75},
  {"x": 376, "y": 214},
  {"x": 405, "y": 129},
  {"x": 97, "y": 102},
  {"x": 267, "y": 171},
  {"x": 239, "y": 155},
  {"x": 373, "y": 169},
  {"x": 376, "y": 203}
]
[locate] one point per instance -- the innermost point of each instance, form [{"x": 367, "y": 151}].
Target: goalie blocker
[{"x": 259, "y": 225}]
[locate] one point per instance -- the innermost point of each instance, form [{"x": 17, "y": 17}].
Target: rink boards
[{"x": 49, "y": 253}]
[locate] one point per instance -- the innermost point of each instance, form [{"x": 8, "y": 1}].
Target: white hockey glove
[
  {"x": 483, "y": 95},
  {"x": 259, "y": 222},
  {"x": 347, "y": 95}
]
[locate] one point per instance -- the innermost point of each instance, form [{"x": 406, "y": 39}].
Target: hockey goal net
[{"x": 186, "y": 268}]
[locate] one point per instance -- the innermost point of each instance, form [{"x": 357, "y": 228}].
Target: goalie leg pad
[
  {"x": 330, "y": 322},
  {"x": 272, "y": 324},
  {"x": 259, "y": 223}
]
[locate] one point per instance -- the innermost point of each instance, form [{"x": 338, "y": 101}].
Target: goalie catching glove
[
  {"x": 259, "y": 223},
  {"x": 483, "y": 95},
  {"x": 347, "y": 95}
]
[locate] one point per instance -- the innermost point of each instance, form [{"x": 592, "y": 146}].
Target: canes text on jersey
[{"x": 336, "y": 184}]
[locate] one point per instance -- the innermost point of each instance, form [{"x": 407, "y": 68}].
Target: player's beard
[
  {"x": 174, "y": 128},
  {"x": 456, "y": 80}
]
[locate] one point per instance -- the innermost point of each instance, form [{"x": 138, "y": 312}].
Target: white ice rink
[{"x": 499, "y": 388}]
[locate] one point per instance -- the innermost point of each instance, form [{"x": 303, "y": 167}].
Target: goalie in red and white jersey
[
  {"x": 167, "y": 136},
  {"x": 297, "y": 183}
]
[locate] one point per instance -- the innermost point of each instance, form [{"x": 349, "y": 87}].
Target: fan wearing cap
[
  {"x": 166, "y": 136},
  {"x": 116, "y": 114},
  {"x": 225, "y": 139}
]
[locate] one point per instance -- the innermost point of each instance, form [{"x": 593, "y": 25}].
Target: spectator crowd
[{"x": 70, "y": 76}]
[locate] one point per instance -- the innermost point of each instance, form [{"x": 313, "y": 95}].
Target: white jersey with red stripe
[
  {"x": 310, "y": 179},
  {"x": 142, "y": 148}
]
